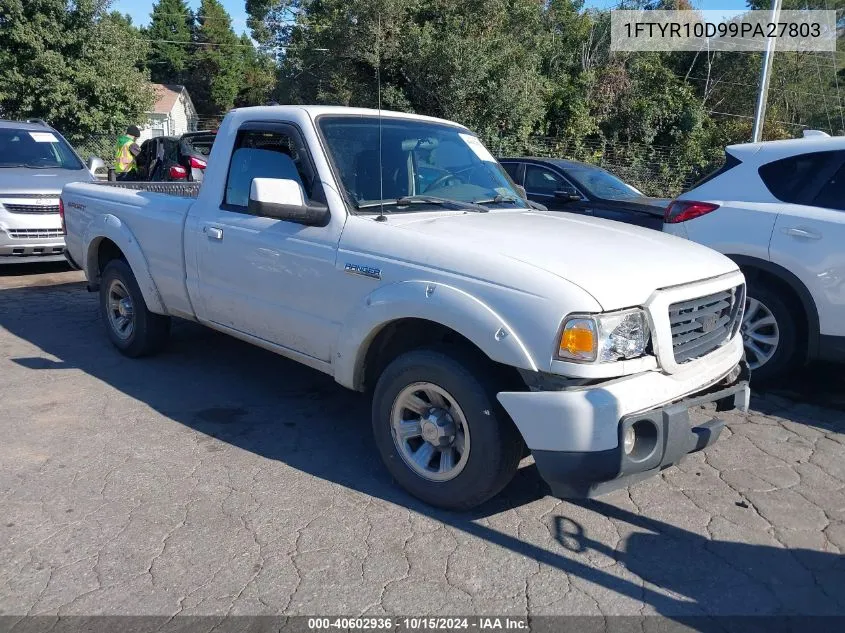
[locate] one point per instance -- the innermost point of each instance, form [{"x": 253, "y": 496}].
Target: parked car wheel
[
  {"x": 440, "y": 430},
  {"x": 132, "y": 328},
  {"x": 769, "y": 333}
]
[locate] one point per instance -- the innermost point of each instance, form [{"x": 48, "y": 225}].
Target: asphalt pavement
[{"x": 217, "y": 478}]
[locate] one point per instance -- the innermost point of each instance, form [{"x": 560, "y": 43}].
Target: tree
[
  {"x": 217, "y": 69},
  {"x": 72, "y": 64},
  {"x": 476, "y": 62},
  {"x": 171, "y": 34},
  {"x": 259, "y": 75}
]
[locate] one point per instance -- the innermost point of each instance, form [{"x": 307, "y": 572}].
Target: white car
[
  {"x": 778, "y": 210},
  {"x": 479, "y": 324}
]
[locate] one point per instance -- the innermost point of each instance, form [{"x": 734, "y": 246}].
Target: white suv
[{"x": 778, "y": 209}]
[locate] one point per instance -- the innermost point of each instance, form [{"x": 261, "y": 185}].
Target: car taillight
[
  {"x": 177, "y": 172},
  {"x": 683, "y": 210},
  {"x": 198, "y": 163},
  {"x": 62, "y": 216}
]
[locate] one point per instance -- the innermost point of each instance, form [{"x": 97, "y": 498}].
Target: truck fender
[
  {"x": 108, "y": 226},
  {"x": 432, "y": 301}
]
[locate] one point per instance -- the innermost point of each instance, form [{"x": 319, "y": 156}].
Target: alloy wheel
[
  {"x": 121, "y": 311},
  {"x": 760, "y": 333},
  {"x": 430, "y": 431}
]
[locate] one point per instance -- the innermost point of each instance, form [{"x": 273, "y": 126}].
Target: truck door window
[{"x": 262, "y": 154}]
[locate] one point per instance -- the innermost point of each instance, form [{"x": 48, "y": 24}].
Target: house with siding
[{"x": 173, "y": 113}]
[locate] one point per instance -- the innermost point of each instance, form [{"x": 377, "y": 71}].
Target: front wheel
[{"x": 440, "y": 431}]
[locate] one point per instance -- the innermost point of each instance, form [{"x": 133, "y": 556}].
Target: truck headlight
[{"x": 604, "y": 338}]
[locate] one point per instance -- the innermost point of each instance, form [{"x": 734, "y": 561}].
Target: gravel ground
[{"x": 218, "y": 479}]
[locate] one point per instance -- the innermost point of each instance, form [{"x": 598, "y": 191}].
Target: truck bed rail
[{"x": 181, "y": 189}]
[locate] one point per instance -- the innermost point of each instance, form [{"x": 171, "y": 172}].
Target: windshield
[
  {"x": 437, "y": 162},
  {"x": 36, "y": 149},
  {"x": 603, "y": 184}
]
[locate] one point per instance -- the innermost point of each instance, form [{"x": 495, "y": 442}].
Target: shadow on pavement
[
  {"x": 822, "y": 384},
  {"x": 280, "y": 410},
  {"x": 35, "y": 268}
]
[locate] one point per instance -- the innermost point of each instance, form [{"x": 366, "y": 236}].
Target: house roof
[{"x": 166, "y": 97}]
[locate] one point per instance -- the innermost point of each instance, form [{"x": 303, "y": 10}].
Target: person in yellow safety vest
[{"x": 127, "y": 150}]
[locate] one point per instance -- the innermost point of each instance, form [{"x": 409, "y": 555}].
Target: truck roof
[{"x": 313, "y": 111}]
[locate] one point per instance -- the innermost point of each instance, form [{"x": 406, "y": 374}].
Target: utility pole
[{"x": 765, "y": 75}]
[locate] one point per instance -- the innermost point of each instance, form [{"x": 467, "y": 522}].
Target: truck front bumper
[
  {"x": 662, "y": 437},
  {"x": 577, "y": 435}
]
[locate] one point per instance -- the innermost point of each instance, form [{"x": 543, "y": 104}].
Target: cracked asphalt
[{"x": 218, "y": 479}]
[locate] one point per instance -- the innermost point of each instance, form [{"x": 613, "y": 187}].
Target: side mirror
[
  {"x": 284, "y": 199},
  {"x": 567, "y": 195},
  {"x": 521, "y": 191},
  {"x": 94, "y": 164}
]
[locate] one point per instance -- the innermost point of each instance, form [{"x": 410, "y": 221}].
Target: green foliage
[
  {"x": 72, "y": 64},
  {"x": 217, "y": 66},
  {"x": 220, "y": 69},
  {"x": 513, "y": 70},
  {"x": 259, "y": 75},
  {"x": 436, "y": 57},
  {"x": 171, "y": 33}
]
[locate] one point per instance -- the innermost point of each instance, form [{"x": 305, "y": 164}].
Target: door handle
[
  {"x": 213, "y": 232},
  {"x": 796, "y": 232}
]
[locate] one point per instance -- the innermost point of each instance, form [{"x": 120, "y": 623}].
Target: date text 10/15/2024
[{"x": 418, "y": 624}]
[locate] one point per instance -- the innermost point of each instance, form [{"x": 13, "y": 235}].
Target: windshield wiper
[
  {"x": 409, "y": 200},
  {"x": 497, "y": 199},
  {"x": 11, "y": 165}
]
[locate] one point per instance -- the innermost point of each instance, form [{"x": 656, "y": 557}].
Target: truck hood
[
  {"x": 46, "y": 181},
  {"x": 618, "y": 264}
]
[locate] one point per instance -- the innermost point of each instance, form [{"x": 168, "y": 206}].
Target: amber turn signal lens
[{"x": 578, "y": 340}]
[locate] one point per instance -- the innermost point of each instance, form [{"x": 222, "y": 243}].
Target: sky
[{"x": 140, "y": 9}]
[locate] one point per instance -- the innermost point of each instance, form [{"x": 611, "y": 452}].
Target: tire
[
  {"x": 146, "y": 332},
  {"x": 784, "y": 357},
  {"x": 492, "y": 447}
]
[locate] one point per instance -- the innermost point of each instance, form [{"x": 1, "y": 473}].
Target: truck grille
[
  {"x": 31, "y": 208},
  {"x": 701, "y": 325},
  {"x": 22, "y": 234}
]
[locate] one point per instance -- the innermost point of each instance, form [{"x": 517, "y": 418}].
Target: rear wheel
[
  {"x": 440, "y": 430},
  {"x": 132, "y": 328},
  {"x": 769, "y": 333}
]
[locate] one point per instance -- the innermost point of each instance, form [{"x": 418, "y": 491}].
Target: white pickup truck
[{"x": 393, "y": 252}]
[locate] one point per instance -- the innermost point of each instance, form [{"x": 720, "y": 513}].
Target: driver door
[{"x": 262, "y": 276}]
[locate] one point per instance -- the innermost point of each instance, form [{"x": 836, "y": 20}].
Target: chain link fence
[
  {"x": 654, "y": 170},
  {"x": 104, "y": 147}
]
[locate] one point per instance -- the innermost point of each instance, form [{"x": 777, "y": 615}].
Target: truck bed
[{"x": 145, "y": 220}]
